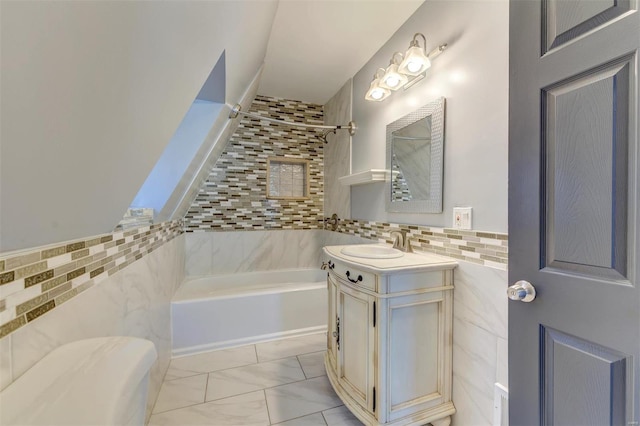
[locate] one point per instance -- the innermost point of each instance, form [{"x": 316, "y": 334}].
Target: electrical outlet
[{"x": 462, "y": 217}]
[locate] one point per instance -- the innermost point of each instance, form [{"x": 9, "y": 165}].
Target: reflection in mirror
[
  {"x": 415, "y": 159},
  {"x": 411, "y": 151}
]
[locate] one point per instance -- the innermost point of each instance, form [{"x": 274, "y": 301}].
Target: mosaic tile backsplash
[
  {"x": 483, "y": 248},
  {"x": 34, "y": 282},
  {"x": 234, "y": 197}
]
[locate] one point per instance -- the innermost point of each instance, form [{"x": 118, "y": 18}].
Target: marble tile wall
[
  {"x": 337, "y": 111},
  {"x": 479, "y": 341},
  {"x": 36, "y": 281},
  {"x": 234, "y": 196},
  {"x": 131, "y": 302},
  {"x": 217, "y": 253}
]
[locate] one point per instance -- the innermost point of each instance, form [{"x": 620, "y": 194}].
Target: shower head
[{"x": 323, "y": 137}]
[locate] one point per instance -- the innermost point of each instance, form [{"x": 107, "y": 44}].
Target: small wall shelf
[{"x": 365, "y": 177}]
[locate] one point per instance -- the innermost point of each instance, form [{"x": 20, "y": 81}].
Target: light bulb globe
[
  {"x": 392, "y": 81},
  {"x": 414, "y": 66},
  {"x": 415, "y": 61},
  {"x": 377, "y": 94}
]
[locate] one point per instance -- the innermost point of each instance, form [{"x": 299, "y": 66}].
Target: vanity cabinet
[{"x": 389, "y": 343}]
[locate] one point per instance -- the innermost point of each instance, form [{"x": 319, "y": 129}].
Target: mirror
[{"x": 415, "y": 160}]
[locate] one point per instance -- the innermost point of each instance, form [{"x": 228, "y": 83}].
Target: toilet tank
[{"x": 99, "y": 381}]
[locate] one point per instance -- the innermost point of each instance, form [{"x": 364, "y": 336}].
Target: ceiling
[{"x": 315, "y": 46}]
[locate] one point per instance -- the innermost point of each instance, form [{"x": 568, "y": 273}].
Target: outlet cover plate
[{"x": 462, "y": 217}]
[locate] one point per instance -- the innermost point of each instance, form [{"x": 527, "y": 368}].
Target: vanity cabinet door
[
  {"x": 332, "y": 328},
  {"x": 356, "y": 353},
  {"x": 418, "y": 353}
]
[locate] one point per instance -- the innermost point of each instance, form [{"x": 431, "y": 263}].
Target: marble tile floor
[{"x": 282, "y": 382}]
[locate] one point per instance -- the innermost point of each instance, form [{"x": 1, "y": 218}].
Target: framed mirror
[{"x": 415, "y": 148}]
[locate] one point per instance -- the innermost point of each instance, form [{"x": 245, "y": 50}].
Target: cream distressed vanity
[{"x": 389, "y": 339}]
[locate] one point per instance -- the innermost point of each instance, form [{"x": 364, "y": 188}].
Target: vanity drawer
[{"x": 353, "y": 275}]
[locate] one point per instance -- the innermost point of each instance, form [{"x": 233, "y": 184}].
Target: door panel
[
  {"x": 355, "y": 343},
  {"x": 416, "y": 331},
  {"x": 585, "y": 128},
  {"x": 574, "y": 228},
  {"x": 564, "y": 20},
  {"x": 583, "y": 383},
  {"x": 413, "y": 351}
]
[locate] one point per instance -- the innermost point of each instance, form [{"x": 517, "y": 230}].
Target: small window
[{"x": 287, "y": 178}]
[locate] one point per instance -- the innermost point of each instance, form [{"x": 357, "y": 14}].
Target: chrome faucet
[{"x": 401, "y": 241}]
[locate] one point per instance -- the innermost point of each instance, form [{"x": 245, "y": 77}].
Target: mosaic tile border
[
  {"x": 483, "y": 248},
  {"x": 34, "y": 282}
]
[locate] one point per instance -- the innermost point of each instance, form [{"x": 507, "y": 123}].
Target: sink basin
[{"x": 372, "y": 251}]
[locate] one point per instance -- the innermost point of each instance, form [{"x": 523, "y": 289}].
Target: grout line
[
  {"x": 266, "y": 403},
  {"x": 263, "y": 389},
  {"x": 233, "y": 368},
  {"x": 245, "y": 393},
  {"x": 304, "y": 415},
  {"x": 301, "y": 367},
  {"x": 255, "y": 349},
  {"x": 206, "y": 387},
  {"x": 323, "y": 417}
]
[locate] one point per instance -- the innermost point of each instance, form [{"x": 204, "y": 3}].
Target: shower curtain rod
[{"x": 237, "y": 109}]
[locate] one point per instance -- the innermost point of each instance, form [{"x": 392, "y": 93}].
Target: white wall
[
  {"x": 472, "y": 74},
  {"x": 210, "y": 150},
  {"x": 178, "y": 155},
  {"x": 91, "y": 94}
]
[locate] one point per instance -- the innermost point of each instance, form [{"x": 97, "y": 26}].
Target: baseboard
[{"x": 192, "y": 350}]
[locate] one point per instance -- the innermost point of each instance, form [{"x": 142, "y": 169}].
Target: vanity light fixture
[
  {"x": 404, "y": 70},
  {"x": 376, "y": 92},
  {"x": 415, "y": 59},
  {"x": 392, "y": 79}
]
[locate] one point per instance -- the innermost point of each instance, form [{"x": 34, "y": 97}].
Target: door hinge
[
  {"x": 374, "y": 314},
  {"x": 374, "y": 399}
]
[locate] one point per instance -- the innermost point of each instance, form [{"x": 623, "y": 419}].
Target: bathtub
[{"x": 221, "y": 311}]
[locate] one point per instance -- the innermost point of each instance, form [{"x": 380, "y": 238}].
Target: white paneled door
[{"x": 574, "y": 227}]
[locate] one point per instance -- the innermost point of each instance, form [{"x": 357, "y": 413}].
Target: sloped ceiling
[
  {"x": 91, "y": 94},
  {"x": 93, "y": 91},
  {"x": 316, "y": 46}
]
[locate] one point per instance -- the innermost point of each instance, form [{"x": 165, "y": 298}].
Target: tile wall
[
  {"x": 130, "y": 297},
  {"x": 234, "y": 197},
  {"x": 33, "y": 282},
  {"x": 478, "y": 247},
  {"x": 216, "y": 253}
]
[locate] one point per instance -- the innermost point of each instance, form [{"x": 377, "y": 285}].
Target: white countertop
[{"x": 414, "y": 262}]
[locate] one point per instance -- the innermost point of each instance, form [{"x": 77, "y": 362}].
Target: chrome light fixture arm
[{"x": 415, "y": 42}]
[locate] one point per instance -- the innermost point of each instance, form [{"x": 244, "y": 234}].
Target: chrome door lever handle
[{"x": 522, "y": 291}]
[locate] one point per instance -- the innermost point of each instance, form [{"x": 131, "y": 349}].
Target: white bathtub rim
[
  {"x": 191, "y": 278},
  {"x": 263, "y": 338},
  {"x": 284, "y": 288},
  {"x": 244, "y": 290}
]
